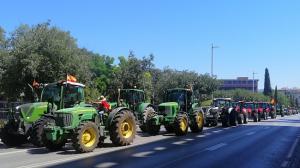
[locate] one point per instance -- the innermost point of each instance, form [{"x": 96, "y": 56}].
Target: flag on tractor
[
  {"x": 273, "y": 101},
  {"x": 71, "y": 78}
]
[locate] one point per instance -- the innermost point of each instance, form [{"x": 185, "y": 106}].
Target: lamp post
[
  {"x": 212, "y": 59},
  {"x": 212, "y": 65},
  {"x": 253, "y": 82}
]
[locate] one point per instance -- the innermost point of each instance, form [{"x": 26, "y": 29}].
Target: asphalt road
[{"x": 267, "y": 144}]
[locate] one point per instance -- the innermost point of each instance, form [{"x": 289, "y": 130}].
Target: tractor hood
[
  {"x": 31, "y": 111},
  {"x": 168, "y": 108}
]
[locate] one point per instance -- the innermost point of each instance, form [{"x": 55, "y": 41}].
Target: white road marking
[
  {"x": 189, "y": 139},
  {"x": 250, "y": 133},
  {"x": 201, "y": 136},
  {"x": 217, "y": 131},
  {"x": 285, "y": 164},
  {"x": 207, "y": 134},
  {"x": 13, "y": 152},
  {"x": 216, "y": 147},
  {"x": 292, "y": 150},
  {"x": 142, "y": 154},
  {"x": 179, "y": 142},
  {"x": 160, "y": 148},
  {"x": 106, "y": 164}
]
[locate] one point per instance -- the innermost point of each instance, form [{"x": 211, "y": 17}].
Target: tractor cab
[
  {"x": 63, "y": 94},
  {"x": 183, "y": 97},
  {"x": 131, "y": 97}
]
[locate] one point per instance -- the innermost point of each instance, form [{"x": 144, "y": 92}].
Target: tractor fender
[
  {"x": 142, "y": 107},
  {"x": 113, "y": 113}
]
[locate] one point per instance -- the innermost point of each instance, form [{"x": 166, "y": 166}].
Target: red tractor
[
  {"x": 264, "y": 110},
  {"x": 242, "y": 113}
]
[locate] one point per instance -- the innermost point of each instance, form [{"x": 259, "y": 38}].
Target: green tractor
[
  {"x": 22, "y": 122},
  {"x": 85, "y": 126},
  {"x": 179, "y": 112},
  {"x": 134, "y": 99}
]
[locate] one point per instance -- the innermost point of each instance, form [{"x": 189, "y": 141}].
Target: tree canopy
[{"x": 47, "y": 54}]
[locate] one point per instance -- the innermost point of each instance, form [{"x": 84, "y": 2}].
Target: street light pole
[
  {"x": 253, "y": 82},
  {"x": 212, "y": 65},
  {"x": 212, "y": 59}
]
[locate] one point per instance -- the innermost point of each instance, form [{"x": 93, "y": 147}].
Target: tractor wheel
[
  {"x": 225, "y": 120},
  {"x": 152, "y": 128},
  {"x": 86, "y": 137},
  {"x": 37, "y": 131},
  {"x": 123, "y": 128},
  {"x": 245, "y": 119},
  {"x": 143, "y": 125},
  {"x": 10, "y": 139},
  {"x": 232, "y": 118},
  {"x": 169, "y": 128},
  {"x": 197, "y": 122},
  {"x": 240, "y": 118},
  {"x": 52, "y": 145},
  {"x": 255, "y": 117},
  {"x": 181, "y": 124},
  {"x": 273, "y": 115},
  {"x": 259, "y": 117}
]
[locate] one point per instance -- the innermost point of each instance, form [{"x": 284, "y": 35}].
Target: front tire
[
  {"x": 123, "y": 128},
  {"x": 86, "y": 137},
  {"x": 10, "y": 139},
  {"x": 181, "y": 124},
  {"x": 37, "y": 131},
  {"x": 197, "y": 122}
]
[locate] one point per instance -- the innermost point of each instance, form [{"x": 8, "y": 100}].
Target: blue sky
[{"x": 252, "y": 34}]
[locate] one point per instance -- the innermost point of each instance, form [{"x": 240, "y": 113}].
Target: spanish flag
[
  {"x": 273, "y": 101},
  {"x": 71, "y": 78}
]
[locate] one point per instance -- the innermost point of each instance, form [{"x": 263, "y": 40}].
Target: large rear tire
[
  {"x": 37, "y": 131},
  {"x": 86, "y": 137},
  {"x": 143, "y": 124},
  {"x": 169, "y": 128},
  {"x": 123, "y": 128},
  {"x": 240, "y": 118},
  {"x": 245, "y": 119},
  {"x": 181, "y": 124},
  {"x": 197, "y": 122},
  {"x": 255, "y": 117},
  {"x": 9, "y": 136},
  {"x": 233, "y": 118},
  {"x": 152, "y": 128},
  {"x": 225, "y": 120}
]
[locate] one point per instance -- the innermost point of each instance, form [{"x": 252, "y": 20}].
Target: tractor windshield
[
  {"x": 176, "y": 96},
  {"x": 51, "y": 92},
  {"x": 73, "y": 95},
  {"x": 132, "y": 96},
  {"x": 220, "y": 102}
]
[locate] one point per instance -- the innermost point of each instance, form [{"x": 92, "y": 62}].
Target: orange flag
[{"x": 71, "y": 78}]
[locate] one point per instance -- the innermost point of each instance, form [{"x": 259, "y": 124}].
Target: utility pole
[
  {"x": 253, "y": 82},
  {"x": 212, "y": 59},
  {"x": 212, "y": 65}
]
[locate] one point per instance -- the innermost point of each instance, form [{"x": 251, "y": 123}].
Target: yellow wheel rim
[
  {"x": 183, "y": 124},
  {"x": 126, "y": 129},
  {"x": 199, "y": 120},
  {"x": 88, "y": 138}
]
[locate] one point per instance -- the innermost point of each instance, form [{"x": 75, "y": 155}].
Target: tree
[
  {"x": 44, "y": 53},
  {"x": 267, "y": 87}
]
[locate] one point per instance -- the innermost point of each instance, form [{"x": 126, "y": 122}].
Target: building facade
[
  {"x": 239, "y": 83},
  {"x": 295, "y": 93}
]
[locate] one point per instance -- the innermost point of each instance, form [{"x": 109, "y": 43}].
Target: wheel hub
[
  {"x": 88, "y": 138},
  {"x": 126, "y": 129}
]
